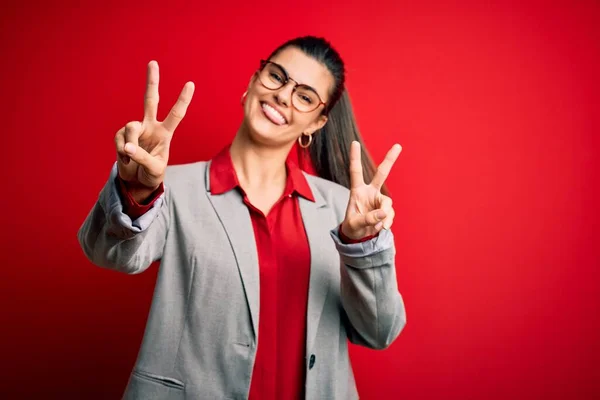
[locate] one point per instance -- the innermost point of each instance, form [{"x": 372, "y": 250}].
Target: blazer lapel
[
  {"x": 235, "y": 217},
  {"x": 315, "y": 215}
]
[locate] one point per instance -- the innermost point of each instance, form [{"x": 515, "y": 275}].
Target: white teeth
[{"x": 273, "y": 113}]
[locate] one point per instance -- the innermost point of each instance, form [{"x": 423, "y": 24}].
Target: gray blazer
[{"x": 201, "y": 335}]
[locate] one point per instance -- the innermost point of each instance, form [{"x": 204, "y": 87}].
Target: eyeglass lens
[{"x": 303, "y": 98}]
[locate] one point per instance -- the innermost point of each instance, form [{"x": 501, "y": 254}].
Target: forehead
[{"x": 305, "y": 70}]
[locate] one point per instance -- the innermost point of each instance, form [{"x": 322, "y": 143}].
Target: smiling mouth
[{"x": 272, "y": 114}]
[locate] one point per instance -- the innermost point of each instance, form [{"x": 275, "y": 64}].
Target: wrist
[
  {"x": 136, "y": 193},
  {"x": 141, "y": 195},
  {"x": 346, "y": 239},
  {"x": 347, "y": 233}
]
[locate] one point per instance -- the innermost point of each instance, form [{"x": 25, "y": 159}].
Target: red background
[{"x": 496, "y": 191}]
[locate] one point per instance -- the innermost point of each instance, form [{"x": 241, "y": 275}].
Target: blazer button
[{"x": 311, "y": 362}]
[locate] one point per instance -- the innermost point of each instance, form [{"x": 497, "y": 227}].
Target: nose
[{"x": 284, "y": 94}]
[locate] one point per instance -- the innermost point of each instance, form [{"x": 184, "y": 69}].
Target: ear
[{"x": 317, "y": 124}]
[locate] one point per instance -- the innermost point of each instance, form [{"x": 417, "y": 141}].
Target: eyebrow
[{"x": 287, "y": 75}]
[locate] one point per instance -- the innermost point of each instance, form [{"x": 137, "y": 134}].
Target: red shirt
[{"x": 284, "y": 264}]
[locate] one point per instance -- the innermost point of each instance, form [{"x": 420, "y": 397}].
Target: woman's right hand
[{"x": 143, "y": 147}]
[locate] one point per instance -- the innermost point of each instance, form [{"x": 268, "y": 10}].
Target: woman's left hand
[{"x": 369, "y": 211}]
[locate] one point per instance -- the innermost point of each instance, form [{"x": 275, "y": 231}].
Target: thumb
[
  {"x": 150, "y": 163},
  {"x": 373, "y": 218}
]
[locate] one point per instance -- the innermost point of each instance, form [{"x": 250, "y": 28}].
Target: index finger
[
  {"x": 356, "y": 168},
  {"x": 386, "y": 166},
  {"x": 151, "y": 97}
]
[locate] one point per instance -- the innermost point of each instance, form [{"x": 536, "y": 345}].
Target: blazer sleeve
[
  {"x": 369, "y": 290},
  {"x": 111, "y": 239}
]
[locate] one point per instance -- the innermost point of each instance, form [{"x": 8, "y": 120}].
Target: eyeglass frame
[{"x": 263, "y": 64}]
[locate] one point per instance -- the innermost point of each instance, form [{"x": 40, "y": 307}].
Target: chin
[{"x": 264, "y": 134}]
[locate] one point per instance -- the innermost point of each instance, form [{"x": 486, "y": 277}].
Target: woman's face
[{"x": 270, "y": 114}]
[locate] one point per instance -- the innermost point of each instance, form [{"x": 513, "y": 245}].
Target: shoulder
[
  {"x": 188, "y": 175},
  {"x": 334, "y": 194}
]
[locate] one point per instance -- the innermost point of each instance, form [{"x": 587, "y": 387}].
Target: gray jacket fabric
[{"x": 201, "y": 335}]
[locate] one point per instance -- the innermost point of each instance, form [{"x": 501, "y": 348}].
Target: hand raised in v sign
[
  {"x": 369, "y": 211},
  {"x": 143, "y": 147}
]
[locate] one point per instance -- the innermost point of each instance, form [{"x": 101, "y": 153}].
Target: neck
[{"x": 258, "y": 166}]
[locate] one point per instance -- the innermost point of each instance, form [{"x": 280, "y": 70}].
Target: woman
[{"x": 266, "y": 271}]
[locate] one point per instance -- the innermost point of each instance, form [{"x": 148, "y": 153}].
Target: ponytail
[{"x": 330, "y": 149}]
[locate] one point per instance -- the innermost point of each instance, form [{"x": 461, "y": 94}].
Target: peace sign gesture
[
  {"x": 368, "y": 210},
  {"x": 143, "y": 147}
]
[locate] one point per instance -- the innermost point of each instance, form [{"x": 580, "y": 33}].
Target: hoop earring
[
  {"x": 301, "y": 142},
  {"x": 243, "y": 99}
]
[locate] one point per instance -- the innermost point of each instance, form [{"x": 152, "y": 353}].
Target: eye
[
  {"x": 276, "y": 77},
  {"x": 305, "y": 96},
  {"x": 306, "y": 99}
]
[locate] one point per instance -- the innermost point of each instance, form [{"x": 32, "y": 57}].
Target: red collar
[{"x": 223, "y": 177}]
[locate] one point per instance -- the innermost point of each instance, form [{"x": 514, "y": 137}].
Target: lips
[{"x": 272, "y": 114}]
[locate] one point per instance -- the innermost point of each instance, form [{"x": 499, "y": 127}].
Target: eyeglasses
[{"x": 273, "y": 76}]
